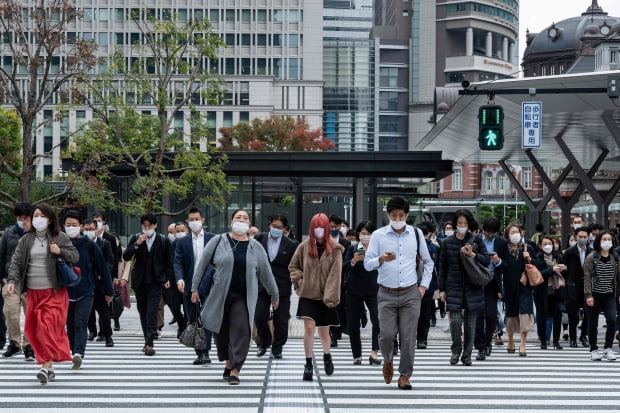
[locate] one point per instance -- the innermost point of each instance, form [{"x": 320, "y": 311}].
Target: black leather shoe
[
  {"x": 206, "y": 359},
  {"x": 109, "y": 342},
  {"x": 226, "y": 374},
  {"x": 543, "y": 345},
  {"x": 173, "y": 321},
  {"x": 557, "y": 346},
  {"x": 202, "y": 359},
  {"x": 198, "y": 360},
  {"x": 357, "y": 362},
  {"x": 100, "y": 338},
  {"x": 334, "y": 343},
  {"x": 482, "y": 355},
  {"x": 307, "y": 373},
  {"x": 375, "y": 362},
  {"x": 261, "y": 352},
  {"x": 29, "y": 353},
  {"x": 328, "y": 364},
  {"x": 91, "y": 336},
  {"x": 573, "y": 344},
  {"x": 454, "y": 359},
  {"x": 488, "y": 350},
  {"x": 277, "y": 356},
  {"x": 421, "y": 345},
  {"x": 117, "y": 325},
  {"x": 11, "y": 350},
  {"x": 466, "y": 361},
  {"x": 585, "y": 342}
]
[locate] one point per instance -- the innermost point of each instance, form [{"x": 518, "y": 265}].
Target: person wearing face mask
[
  {"x": 33, "y": 268},
  {"x": 240, "y": 265},
  {"x": 595, "y": 229},
  {"x": 362, "y": 290},
  {"x": 316, "y": 271},
  {"x": 188, "y": 251},
  {"x": 153, "y": 256},
  {"x": 92, "y": 265},
  {"x": 395, "y": 251},
  {"x": 601, "y": 290},
  {"x": 335, "y": 225},
  {"x": 427, "y": 307},
  {"x": 549, "y": 296},
  {"x": 280, "y": 250},
  {"x": 574, "y": 259},
  {"x": 12, "y": 306},
  {"x": 181, "y": 230},
  {"x": 172, "y": 232},
  {"x": 463, "y": 299},
  {"x": 518, "y": 298}
]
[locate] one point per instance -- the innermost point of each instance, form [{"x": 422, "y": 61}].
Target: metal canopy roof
[{"x": 456, "y": 135}]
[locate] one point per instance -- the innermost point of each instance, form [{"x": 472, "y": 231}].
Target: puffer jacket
[
  {"x": 317, "y": 278},
  {"x": 8, "y": 243},
  {"x": 451, "y": 277},
  {"x": 91, "y": 263},
  {"x": 21, "y": 258}
]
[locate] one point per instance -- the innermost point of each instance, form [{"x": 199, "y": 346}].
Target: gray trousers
[
  {"x": 463, "y": 324},
  {"x": 398, "y": 314}
]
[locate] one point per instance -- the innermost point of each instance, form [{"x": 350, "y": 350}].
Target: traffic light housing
[{"x": 491, "y": 127}]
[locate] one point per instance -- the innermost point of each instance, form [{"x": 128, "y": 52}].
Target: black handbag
[
  {"x": 116, "y": 306},
  {"x": 68, "y": 276},
  {"x": 477, "y": 273},
  {"x": 194, "y": 334}
]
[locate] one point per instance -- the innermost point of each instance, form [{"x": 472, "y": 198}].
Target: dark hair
[
  {"x": 150, "y": 217},
  {"x": 367, "y": 225},
  {"x": 194, "y": 210},
  {"x": 279, "y": 217},
  {"x": 238, "y": 210},
  {"x": 554, "y": 253},
  {"x": 597, "y": 240},
  {"x": 98, "y": 214},
  {"x": 351, "y": 233},
  {"x": 443, "y": 226},
  {"x": 471, "y": 222},
  {"x": 72, "y": 213},
  {"x": 181, "y": 223},
  {"x": 540, "y": 227},
  {"x": 508, "y": 227},
  {"x": 398, "y": 202},
  {"x": 582, "y": 229},
  {"x": 88, "y": 221},
  {"x": 491, "y": 224},
  {"x": 595, "y": 226},
  {"x": 22, "y": 208},
  {"x": 426, "y": 227},
  {"x": 48, "y": 211},
  {"x": 335, "y": 219},
  {"x": 346, "y": 223}
]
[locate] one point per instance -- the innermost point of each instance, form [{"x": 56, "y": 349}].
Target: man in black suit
[
  {"x": 152, "y": 268},
  {"x": 188, "y": 251},
  {"x": 100, "y": 305},
  {"x": 335, "y": 223},
  {"x": 100, "y": 222},
  {"x": 486, "y": 322},
  {"x": 280, "y": 250},
  {"x": 574, "y": 258}
]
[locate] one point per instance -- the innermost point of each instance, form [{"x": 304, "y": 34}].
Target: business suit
[
  {"x": 576, "y": 299},
  {"x": 486, "y": 322},
  {"x": 184, "y": 264},
  {"x": 152, "y": 267},
  {"x": 279, "y": 268},
  {"x": 99, "y": 303}
]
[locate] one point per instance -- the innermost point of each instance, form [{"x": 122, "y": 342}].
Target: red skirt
[{"x": 46, "y": 316}]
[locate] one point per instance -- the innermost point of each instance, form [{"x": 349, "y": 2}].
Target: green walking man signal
[{"x": 491, "y": 127}]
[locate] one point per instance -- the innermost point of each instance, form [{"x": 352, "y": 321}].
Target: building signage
[{"x": 531, "y": 117}]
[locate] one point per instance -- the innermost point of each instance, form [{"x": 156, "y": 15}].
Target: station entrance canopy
[{"x": 580, "y": 133}]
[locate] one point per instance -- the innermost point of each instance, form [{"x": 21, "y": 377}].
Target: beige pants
[{"x": 12, "y": 306}]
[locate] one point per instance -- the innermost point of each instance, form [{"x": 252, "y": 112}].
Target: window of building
[
  {"x": 182, "y": 15},
  {"x": 246, "y": 39},
  {"x": 246, "y": 66},
  {"x": 244, "y": 117},
  {"x": 211, "y": 125},
  {"x": 389, "y": 123},
  {"x": 561, "y": 68},
  {"x": 613, "y": 56},
  {"x": 261, "y": 66},
  {"x": 199, "y": 15},
  {"x": 230, "y": 39},
  {"x": 120, "y": 38},
  {"x": 543, "y": 70},
  {"x": 246, "y": 15},
  {"x": 88, "y": 15},
  {"x": 228, "y": 119},
  {"x": 293, "y": 68},
  {"x": 526, "y": 177},
  {"x": 278, "y": 16},
  {"x": 244, "y": 93},
  {"x": 119, "y": 14},
  {"x": 214, "y": 15},
  {"x": 166, "y": 15},
  {"x": 489, "y": 182},
  {"x": 261, "y": 40},
  {"x": 103, "y": 15},
  {"x": 501, "y": 182},
  {"x": 261, "y": 16},
  {"x": 293, "y": 40},
  {"x": 388, "y": 77},
  {"x": 405, "y": 13},
  {"x": 457, "y": 179},
  {"x": 552, "y": 69},
  {"x": 388, "y": 101},
  {"x": 277, "y": 40},
  {"x": 230, "y": 66},
  {"x": 293, "y": 16},
  {"x": 47, "y": 170},
  {"x": 230, "y": 15}
]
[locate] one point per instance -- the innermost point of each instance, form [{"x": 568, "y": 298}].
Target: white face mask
[
  {"x": 90, "y": 234},
  {"x": 171, "y": 237},
  {"x": 40, "y": 223},
  {"x": 354, "y": 243},
  {"x": 319, "y": 233},
  {"x": 20, "y": 224},
  {"x": 515, "y": 238},
  {"x": 606, "y": 245},
  {"x": 72, "y": 232},
  {"x": 576, "y": 226},
  {"x": 449, "y": 232},
  {"x": 99, "y": 225},
  {"x": 547, "y": 249},
  {"x": 195, "y": 226},
  {"x": 240, "y": 228},
  {"x": 398, "y": 225},
  {"x": 343, "y": 231},
  {"x": 462, "y": 230},
  {"x": 365, "y": 238},
  {"x": 181, "y": 234},
  {"x": 148, "y": 232}
]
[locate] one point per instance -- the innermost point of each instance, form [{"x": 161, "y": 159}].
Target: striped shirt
[{"x": 605, "y": 272}]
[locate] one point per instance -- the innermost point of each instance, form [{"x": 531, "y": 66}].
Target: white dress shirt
[
  {"x": 198, "y": 244},
  {"x": 273, "y": 245}
]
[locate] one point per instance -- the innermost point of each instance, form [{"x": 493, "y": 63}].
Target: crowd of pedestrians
[{"x": 397, "y": 276}]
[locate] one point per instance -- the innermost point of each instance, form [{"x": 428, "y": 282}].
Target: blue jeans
[{"x": 77, "y": 323}]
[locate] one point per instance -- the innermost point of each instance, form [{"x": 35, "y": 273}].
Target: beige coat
[{"x": 317, "y": 278}]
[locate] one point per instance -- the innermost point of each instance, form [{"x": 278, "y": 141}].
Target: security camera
[{"x": 465, "y": 84}]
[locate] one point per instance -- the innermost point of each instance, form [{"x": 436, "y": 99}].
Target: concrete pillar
[
  {"x": 469, "y": 42},
  {"x": 505, "y": 48},
  {"x": 358, "y": 201},
  {"x": 489, "y": 45},
  {"x": 511, "y": 52}
]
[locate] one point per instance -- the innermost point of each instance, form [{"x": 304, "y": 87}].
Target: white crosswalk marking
[{"x": 123, "y": 379}]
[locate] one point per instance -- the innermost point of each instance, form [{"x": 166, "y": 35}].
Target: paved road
[{"x": 123, "y": 379}]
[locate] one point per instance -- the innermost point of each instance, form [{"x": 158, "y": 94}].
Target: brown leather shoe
[
  {"x": 149, "y": 350},
  {"x": 403, "y": 383},
  {"x": 388, "y": 371}
]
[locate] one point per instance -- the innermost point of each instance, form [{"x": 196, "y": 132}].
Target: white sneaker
[
  {"x": 51, "y": 375},
  {"x": 77, "y": 361},
  {"x": 596, "y": 355},
  {"x": 43, "y": 376},
  {"x": 609, "y": 354}
]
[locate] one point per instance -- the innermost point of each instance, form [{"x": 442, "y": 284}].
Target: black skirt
[{"x": 316, "y": 310}]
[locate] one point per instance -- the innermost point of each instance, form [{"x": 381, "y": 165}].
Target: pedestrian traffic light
[{"x": 491, "y": 127}]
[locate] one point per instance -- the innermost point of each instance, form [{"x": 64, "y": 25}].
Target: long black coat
[
  {"x": 460, "y": 293},
  {"x": 519, "y": 299}
]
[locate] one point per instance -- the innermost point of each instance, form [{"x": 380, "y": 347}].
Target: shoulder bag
[
  {"x": 194, "y": 334},
  {"x": 531, "y": 275},
  {"x": 68, "y": 276},
  {"x": 477, "y": 273}
]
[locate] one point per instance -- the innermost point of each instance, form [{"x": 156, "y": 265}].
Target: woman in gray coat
[{"x": 240, "y": 263}]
